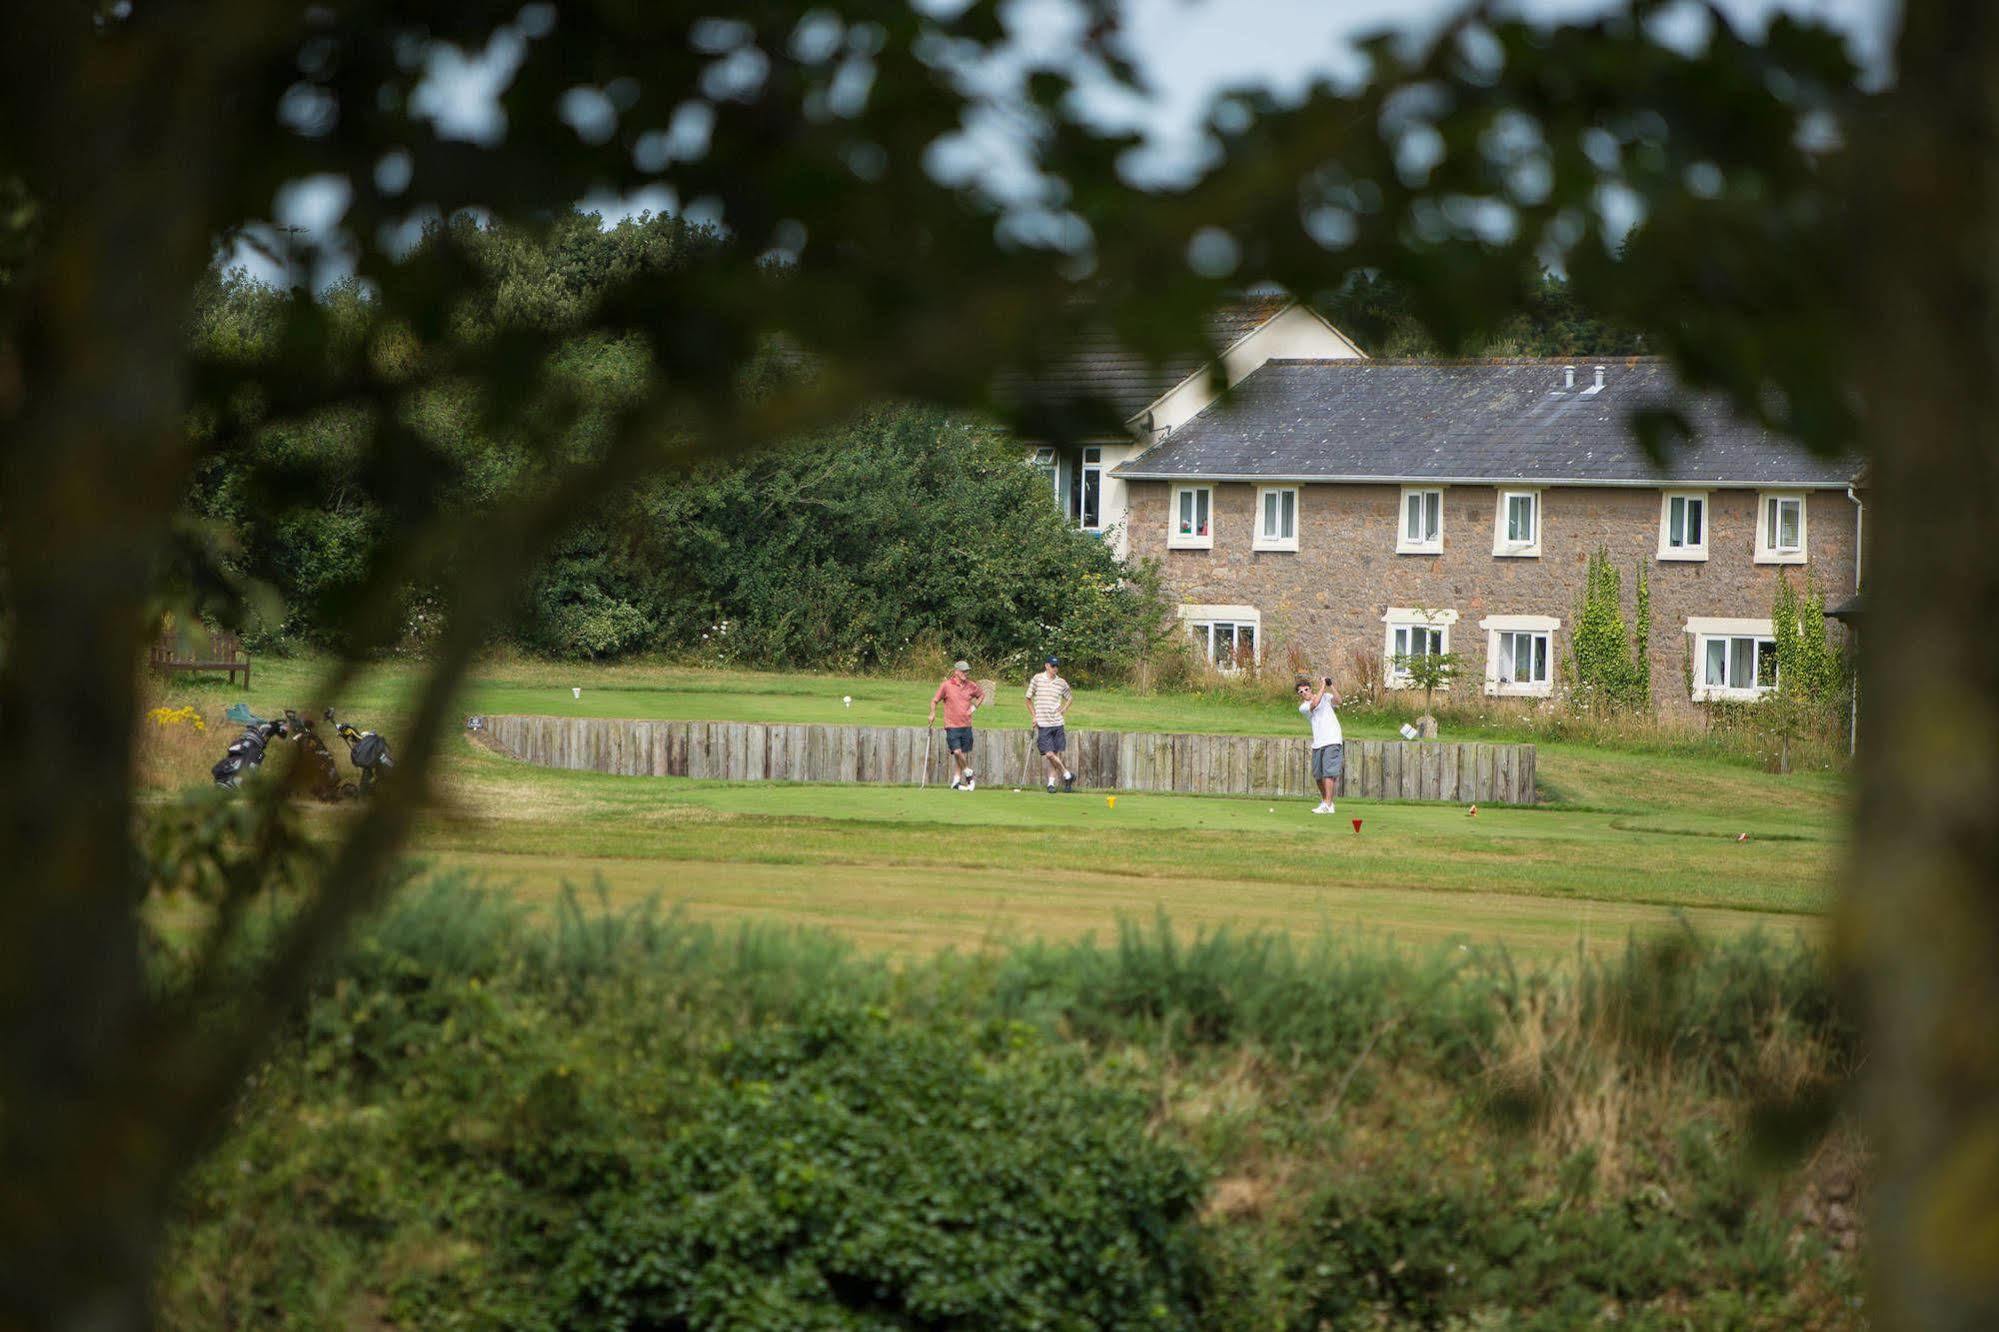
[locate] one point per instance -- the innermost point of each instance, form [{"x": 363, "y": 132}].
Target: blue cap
[{"x": 1052, "y": 661}]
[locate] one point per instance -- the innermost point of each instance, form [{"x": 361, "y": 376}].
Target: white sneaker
[
  {"x": 956, "y": 783},
  {"x": 971, "y": 783},
  {"x": 1322, "y": 808}
]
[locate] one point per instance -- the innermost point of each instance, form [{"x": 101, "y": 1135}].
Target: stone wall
[{"x": 1329, "y": 596}]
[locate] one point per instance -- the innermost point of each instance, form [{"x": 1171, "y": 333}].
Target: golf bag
[
  {"x": 322, "y": 772},
  {"x": 367, "y": 751},
  {"x": 246, "y": 752}
]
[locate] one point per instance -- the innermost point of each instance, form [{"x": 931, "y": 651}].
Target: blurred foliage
[{"x": 1550, "y": 321}]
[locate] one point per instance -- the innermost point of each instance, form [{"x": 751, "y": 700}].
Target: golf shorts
[
  {"x": 1328, "y": 761},
  {"x": 958, "y": 739},
  {"x": 1051, "y": 739}
]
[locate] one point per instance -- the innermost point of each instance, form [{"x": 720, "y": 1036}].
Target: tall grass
[{"x": 1752, "y": 1016}]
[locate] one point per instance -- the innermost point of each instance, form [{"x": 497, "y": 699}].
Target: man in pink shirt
[{"x": 959, "y": 694}]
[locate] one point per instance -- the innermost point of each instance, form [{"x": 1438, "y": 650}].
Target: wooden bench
[{"x": 190, "y": 652}]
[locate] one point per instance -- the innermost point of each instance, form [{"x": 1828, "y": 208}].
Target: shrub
[
  {"x": 848, "y": 1173},
  {"x": 1604, "y": 672}
]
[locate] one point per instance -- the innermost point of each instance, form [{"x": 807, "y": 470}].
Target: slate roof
[
  {"x": 1471, "y": 422},
  {"x": 1102, "y": 368}
]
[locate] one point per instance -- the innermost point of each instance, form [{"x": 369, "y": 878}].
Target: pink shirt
[{"x": 958, "y": 696}]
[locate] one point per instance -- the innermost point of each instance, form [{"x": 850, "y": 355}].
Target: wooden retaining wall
[{"x": 1110, "y": 760}]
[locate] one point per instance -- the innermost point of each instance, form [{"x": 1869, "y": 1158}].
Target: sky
[{"x": 1187, "y": 51}]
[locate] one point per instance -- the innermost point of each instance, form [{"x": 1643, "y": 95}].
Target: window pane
[
  {"x": 1412, "y": 519},
  {"x": 1433, "y": 516},
  {"x": 1770, "y": 523},
  {"x": 1520, "y": 519},
  {"x": 1696, "y": 514},
  {"x": 1540, "y": 675},
  {"x": 1093, "y": 486},
  {"x": 1741, "y": 662},
  {"x": 1245, "y": 644},
  {"x": 1186, "y": 512},
  {"x": 1200, "y": 513},
  {"x": 1676, "y": 521},
  {"x": 1290, "y": 528},
  {"x": 1766, "y": 663},
  {"x": 1717, "y": 663},
  {"x": 1787, "y": 524}
]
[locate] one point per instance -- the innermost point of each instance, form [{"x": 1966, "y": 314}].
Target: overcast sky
[{"x": 1187, "y": 50}]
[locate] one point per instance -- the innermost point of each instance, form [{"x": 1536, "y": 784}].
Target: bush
[
  {"x": 491, "y": 1118},
  {"x": 847, "y": 1173},
  {"x": 1402, "y": 1249}
]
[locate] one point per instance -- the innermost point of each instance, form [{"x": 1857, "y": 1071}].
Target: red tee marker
[{"x": 1356, "y": 825}]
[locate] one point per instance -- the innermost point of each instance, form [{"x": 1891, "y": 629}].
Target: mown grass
[{"x": 1628, "y": 842}]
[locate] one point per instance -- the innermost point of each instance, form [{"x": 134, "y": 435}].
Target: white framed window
[
  {"x": 1520, "y": 655},
  {"x": 1517, "y": 525},
  {"x": 1733, "y": 659},
  {"x": 1190, "y": 520},
  {"x": 1086, "y": 497},
  {"x": 1413, "y": 632},
  {"x": 1420, "y": 530},
  {"x": 1276, "y": 518},
  {"x": 1043, "y": 462},
  {"x": 1780, "y": 528},
  {"x": 1683, "y": 525},
  {"x": 1228, "y": 637}
]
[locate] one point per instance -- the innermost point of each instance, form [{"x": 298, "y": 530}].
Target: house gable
[{"x": 1294, "y": 332}]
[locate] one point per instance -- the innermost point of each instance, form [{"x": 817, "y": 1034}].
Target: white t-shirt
[{"x": 1325, "y": 722}]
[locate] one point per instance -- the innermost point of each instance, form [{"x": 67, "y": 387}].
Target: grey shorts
[
  {"x": 1328, "y": 761},
  {"x": 1051, "y": 739},
  {"x": 958, "y": 739}
]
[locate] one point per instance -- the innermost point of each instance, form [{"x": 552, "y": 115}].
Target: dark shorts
[
  {"x": 1328, "y": 761},
  {"x": 958, "y": 739},
  {"x": 1051, "y": 739}
]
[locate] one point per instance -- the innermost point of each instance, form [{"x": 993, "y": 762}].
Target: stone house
[{"x": 1335, "y": 510}]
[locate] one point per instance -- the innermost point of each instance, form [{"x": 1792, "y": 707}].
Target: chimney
[
  {"x": 1599, "y": 376},
  {"x": 1568, "y": 376}
]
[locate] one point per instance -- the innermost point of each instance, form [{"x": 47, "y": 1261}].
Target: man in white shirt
[{"x": 1328, "y": 747}]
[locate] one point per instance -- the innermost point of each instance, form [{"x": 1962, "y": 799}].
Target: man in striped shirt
[{"x": 1048, "y": 698}]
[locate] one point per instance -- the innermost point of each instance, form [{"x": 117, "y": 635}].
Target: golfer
[
  {"x": 1048, "y": 699},
  {"x": 959, "y": 694},
  {"x": 1328, "y": 747}
]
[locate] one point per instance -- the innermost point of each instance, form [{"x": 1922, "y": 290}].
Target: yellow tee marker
[{"x": 1111, "y": 801}]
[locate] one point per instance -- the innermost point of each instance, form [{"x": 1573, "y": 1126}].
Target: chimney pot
[
  {"x": 1568, "y": 376},
  {"x": 1599, "y": 376}
]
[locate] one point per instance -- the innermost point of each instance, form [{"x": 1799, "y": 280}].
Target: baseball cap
[
  {"x": 961, "y": 666},
  {"x": 1053, "y": 661}
]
